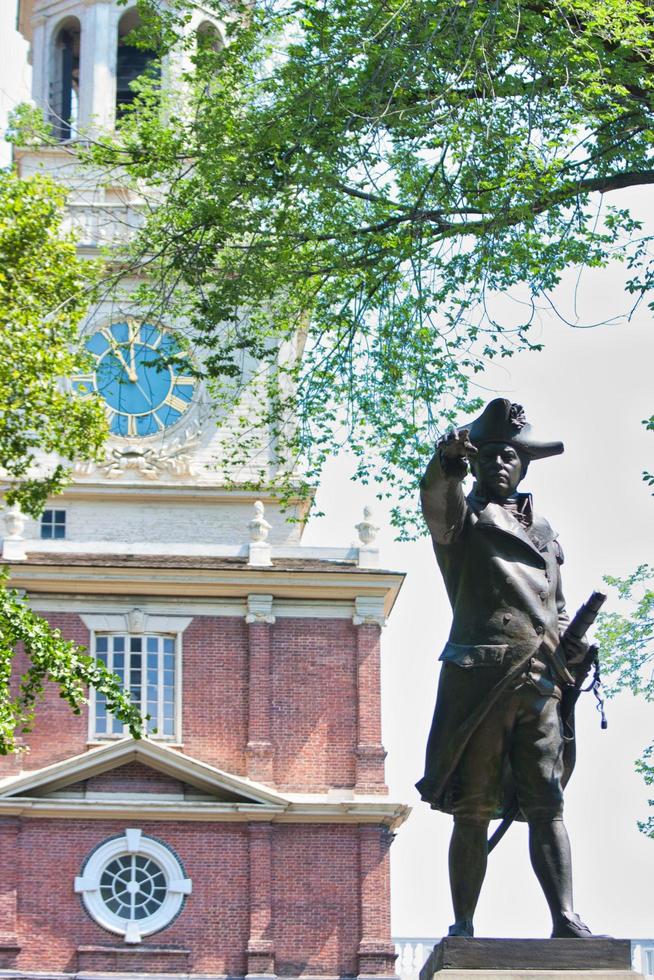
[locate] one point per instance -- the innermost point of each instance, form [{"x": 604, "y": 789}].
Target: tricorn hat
[{"x": 504, "y": 421}]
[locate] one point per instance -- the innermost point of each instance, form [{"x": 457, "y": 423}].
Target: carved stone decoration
[
  {"x": 172, "y": 459},
  {"x": 14, "y": 523},
  {"x": 13, "y": 546},
  {"x": 259, "y": 526},
  {"x": 369, "y": 611},
  {"x": 136, "y": 620},
  {"x": 260, "y": 609},
  {"x": 366, "y": 529},
  {"x": 260, "y": 554}
]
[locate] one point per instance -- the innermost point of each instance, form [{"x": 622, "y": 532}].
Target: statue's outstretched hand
[{"x": 456, "y": 445}]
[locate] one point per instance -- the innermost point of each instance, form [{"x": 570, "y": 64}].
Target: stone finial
[
  {"x": 13, "y": 546},
  {"x": 259, "y": 547},
  {"x": 259, "y": 526},
  {"x": 366, "y": 530}
]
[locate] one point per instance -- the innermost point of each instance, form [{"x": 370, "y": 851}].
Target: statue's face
[{"x": 497, "y": 469}]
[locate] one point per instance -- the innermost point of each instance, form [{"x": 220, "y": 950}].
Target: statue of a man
[{"x": 497, "y": 735}]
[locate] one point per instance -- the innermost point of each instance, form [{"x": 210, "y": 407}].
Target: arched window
[
  {"x": 131, "y": 61},
  {"x": 64, "y": 78},
  {"x": 208, "y": 37}
]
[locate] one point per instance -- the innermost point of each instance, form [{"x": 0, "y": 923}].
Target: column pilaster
[
  {"x": 260, "y": 949},
  {"x": 376, "y": 950},
  {"x": 10, "y": 864},
  {"x": 97, "y": 84},
  {"x": 259, "y": 751},
  {"x": 370, "y": 753}
]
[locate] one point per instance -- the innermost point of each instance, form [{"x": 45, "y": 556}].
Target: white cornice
[
  {"x": 178, "y": 491},
  {"x": 257, "y": 801},
  {"x": 390, "y": 814},
  {"x": 106, "y": 580},
  {"x": 85, "y": 605}
]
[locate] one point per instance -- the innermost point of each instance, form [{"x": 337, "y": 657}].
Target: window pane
[
  {"x": 60, "y": 516},
  {"x": 141, "y": 671},
  {"x": 59, "y": 531}
]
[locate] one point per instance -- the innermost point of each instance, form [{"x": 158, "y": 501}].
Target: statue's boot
[
  {"x": 569, "y": 926},
  {"x": 462, "y": 927}
]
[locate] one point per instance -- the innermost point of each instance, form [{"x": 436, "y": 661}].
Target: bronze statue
[{"x": 497, "y": 740}]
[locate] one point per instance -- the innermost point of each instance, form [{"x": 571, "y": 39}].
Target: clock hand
[
  {"x": 131, "y": 373},
  {"x": 132, "y": 365}
]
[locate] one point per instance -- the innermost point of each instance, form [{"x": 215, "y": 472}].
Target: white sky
[{"x": 591, "y": 388}]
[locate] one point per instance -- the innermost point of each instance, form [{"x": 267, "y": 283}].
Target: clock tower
[{"x": 248, "y": 834}]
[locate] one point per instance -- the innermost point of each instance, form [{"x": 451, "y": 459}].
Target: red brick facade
[{"x": 294, "y": 705}]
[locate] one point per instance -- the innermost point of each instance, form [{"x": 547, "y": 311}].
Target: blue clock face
[{"x": 143, "y": 375}]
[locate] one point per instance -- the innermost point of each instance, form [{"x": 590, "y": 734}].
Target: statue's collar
[
  {"x": 519, "y": 505},
  {"x": 512, "y": 517}
]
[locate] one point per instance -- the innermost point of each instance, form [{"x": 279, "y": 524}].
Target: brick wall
[
  {"x": 314, "y": 703},
  {"x": 291, "y": 892},
  {"x": 316, "y": 915},
  {"x": 52, "y": 922},
  {"x": 215, "y": 691},
  {"x": 302, "y": 718},
  {"x": 58, "y": 733}
]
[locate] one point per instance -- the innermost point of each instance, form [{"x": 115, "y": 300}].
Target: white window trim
[
  {"x": 133, "y": 842},
  {"x": 139, "y": 622}
]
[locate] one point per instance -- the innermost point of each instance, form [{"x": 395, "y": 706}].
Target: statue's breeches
[{"x": 522, "y": 739}]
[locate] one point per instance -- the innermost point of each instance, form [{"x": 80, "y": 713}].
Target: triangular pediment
[{"x": 131, "y": 768}]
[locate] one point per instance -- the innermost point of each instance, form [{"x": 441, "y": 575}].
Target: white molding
[
  {"x": 88, "y": 605},
  {"x": 260, "y": 609},
  {"x": 390, "y": 814},
  {"x": 369, "y": 610},
  {"x": 135, "y": 620},
  {"x": 155, "y": 754},
  {"x": 68, "y": 546},
  {"x": 190, "y": 549},
  {"x": 84, "y": 605}
]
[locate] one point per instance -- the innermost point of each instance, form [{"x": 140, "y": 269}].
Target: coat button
[
  {"x": 539, "y": 628},
  {"x": 544, "y": 595}
]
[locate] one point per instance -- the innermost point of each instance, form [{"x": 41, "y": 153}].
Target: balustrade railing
[{"x": 102, "y": 224}]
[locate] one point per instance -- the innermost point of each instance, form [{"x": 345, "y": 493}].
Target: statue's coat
[{"x": 504, "y": 586}]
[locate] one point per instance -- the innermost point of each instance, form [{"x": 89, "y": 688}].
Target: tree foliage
[
  {"x": 626, "y": 641},
  {"x": 50, "y": 658},
  {"x": 368, "y": 177},
  {"x": 44, "y": 292}
]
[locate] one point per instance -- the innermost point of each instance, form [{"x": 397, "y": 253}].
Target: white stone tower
[{"x": 160, "y": 481}]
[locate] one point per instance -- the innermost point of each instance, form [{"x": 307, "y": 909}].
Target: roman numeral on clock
[{"x": 177, "y": 403}]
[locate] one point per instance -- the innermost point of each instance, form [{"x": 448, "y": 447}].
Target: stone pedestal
[{"x": 529, "y": 959}]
